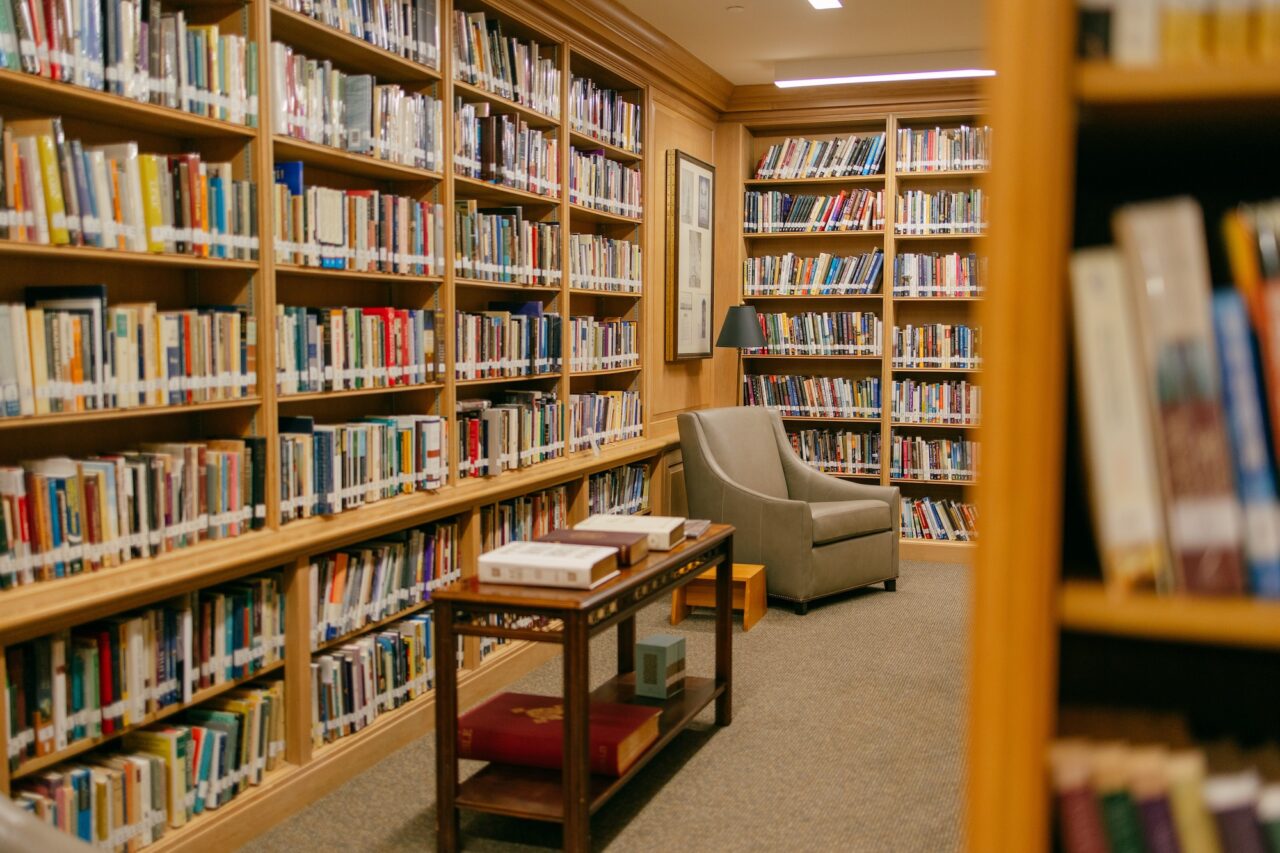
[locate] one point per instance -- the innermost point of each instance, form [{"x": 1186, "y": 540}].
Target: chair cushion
[{"x": 836, "y": 520}]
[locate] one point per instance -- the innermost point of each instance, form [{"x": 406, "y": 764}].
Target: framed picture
[{"x": 690, "y": 257}]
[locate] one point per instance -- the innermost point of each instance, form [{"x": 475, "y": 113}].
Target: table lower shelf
[{"x": 536, "y": 793}]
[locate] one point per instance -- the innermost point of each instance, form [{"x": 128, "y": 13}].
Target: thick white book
[
  {"x": 664, "y": 531},
  {"x": 549, "y": 564}
]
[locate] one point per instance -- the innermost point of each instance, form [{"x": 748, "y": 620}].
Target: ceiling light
[
  {"x": 825, "y": 4},
  {"x": 952, "y": 74}
]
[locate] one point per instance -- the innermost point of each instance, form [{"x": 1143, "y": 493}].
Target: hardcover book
[
  {"x": 524, "y": 729},
  {"x": 549, "y": 564},
  {"x": 632, "y": 547},
  {"x": 664, "y": 532}
]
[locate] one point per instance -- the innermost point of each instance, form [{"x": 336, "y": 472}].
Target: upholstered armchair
[{"x": 815, "y": 534}]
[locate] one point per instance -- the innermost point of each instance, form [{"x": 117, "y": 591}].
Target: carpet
[{"x": 847, "y": 735}]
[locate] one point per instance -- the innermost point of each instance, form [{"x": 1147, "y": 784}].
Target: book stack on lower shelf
[{"x": 621, "y": 491}]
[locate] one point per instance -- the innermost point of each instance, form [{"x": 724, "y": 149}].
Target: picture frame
[{"x": 690, "y": 260}]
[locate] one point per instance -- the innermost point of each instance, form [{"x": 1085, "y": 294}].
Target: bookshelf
[
  {"x": 756, "y": 132},
  {"x": 260, "y": 286},
  {"x": 1038, "y": 575}
]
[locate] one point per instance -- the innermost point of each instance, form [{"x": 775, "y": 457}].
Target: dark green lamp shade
[{"x": 741, "y": 328}]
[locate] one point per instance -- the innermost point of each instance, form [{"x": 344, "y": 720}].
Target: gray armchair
[{"x": 815, "y": 534}]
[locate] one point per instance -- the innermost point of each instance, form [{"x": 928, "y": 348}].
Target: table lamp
[{"x": 741, "y": 330}]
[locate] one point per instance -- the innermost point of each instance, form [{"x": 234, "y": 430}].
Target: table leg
[
  {"x": 679, "y": 604},
  {"x": 446, "y": 730},
  {"x": 576, "y": 772},
  {"x": 627, "y": 645},
  {"x": 724, "y": 636}
]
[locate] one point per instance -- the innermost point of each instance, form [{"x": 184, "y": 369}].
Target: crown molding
[{"x": 763, "y": 100}]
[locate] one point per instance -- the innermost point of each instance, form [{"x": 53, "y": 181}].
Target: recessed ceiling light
[
  {"x": 825, "y": 4},
  {"x": 887, "y": 78}
]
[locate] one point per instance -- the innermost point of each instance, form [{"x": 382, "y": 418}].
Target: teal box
[{"x": 660, "y": 666}]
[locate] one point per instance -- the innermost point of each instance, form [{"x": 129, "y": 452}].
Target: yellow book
[
  {"x": 39, "y": 359},
  {"x": 42, "y": 131},
  {"x": 1196, "y": 830},
  {"x": 1231, "y": 39},
  {"x": 1184, "y": 32},
  {"x": 1267, "y": 25},
  {"x": 152, "y": 203}
]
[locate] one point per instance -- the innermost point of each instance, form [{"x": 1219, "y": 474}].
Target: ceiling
[{"x": 743, "y": 46}]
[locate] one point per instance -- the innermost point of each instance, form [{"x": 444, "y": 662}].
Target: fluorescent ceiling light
[
  {"x": 887, "y": 78},
  {"x": 825, "y": 4}
]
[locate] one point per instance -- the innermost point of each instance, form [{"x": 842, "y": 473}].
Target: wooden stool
[{"x": 748, "y": 594}]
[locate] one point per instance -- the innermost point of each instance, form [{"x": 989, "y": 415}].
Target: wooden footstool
[{"x": 748, "y": 594}]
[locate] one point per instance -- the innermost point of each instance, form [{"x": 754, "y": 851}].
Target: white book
[
  {"x": 21, "y": 343},
  {"x": 1135, "y": 32},
  {"x": 664, "y": 532},
  {"x": 549, "y": 564}
]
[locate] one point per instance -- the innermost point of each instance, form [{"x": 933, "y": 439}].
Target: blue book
[
  {"x": 1251, "y": 456},
  {"x": 289, "y": 173}
]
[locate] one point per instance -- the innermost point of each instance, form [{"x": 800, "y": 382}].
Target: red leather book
[{"x": 524, "y": 729}]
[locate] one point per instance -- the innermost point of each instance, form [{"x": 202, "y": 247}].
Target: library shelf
[
  {"x": 608, "y": 294},
  {"x": 582, "y": 213},
  {"x": 40, "y": 93},
  {"x": 348, "y": 162},
  {"x": 1088, "y": 606},
  {"x": 535, "y": 793},
  {"x": 823, "y": 357},
  {"x": 341, "y": 393},
  {"x": 831, "y": 419},
  {"x": 474, "y": 188},
  {"x": 757, "y": 183},
  {"x": 319, "y": 40},
  {"x": 784, "y": 235},
  {"x": 967, "y": 235},
  {"x": 363, "y": 275},
  {"x": 937, "y": 299},
  {"x": 1104, "y": 83},
  {"x": 851, "y": 475},
  {"x": 897, "y": 368},
  {"x": 371, "y": 626},
  {"x": 480, "y": 283},
  {"x": 918, "y": 425},
  {"x": 492, "y": 380},
  {"x": 920, "y": 481},
  {"x": 608, "y": 371},
  {"x": 947, "y": 173},
  {"x": 57, "y": 419},
  {"x": 16, "y": 249},
  {"x": 586, "y": 144},
  {"x": 876, "y": 296},
  {"x": 84, "y": 745},
  {"x": 532, "y": 117}
]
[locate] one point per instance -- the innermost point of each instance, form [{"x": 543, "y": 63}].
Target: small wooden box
[{"x": 660, "y": 666}]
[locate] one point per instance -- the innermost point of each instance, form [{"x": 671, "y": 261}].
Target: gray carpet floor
[{"x": 847, "y": 735}]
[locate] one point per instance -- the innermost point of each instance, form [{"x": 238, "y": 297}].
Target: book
[
  {"x": 549, "y": 563},
  {"x": 623, "y": 490},
  {"x": 524, "y": 729},
  {"x": 597, "y": 262},
  {"x": 664, "y": 532},
  {"x": 631, "y": 547},
  {"x": 600, "y": 183}
]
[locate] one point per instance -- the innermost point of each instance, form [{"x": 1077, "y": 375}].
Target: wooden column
[
  {"x": 576, "y": 771},
  {"x": 297, "y": 661},
  {"x": 446, "y": 731}
]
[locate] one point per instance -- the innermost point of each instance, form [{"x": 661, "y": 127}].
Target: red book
[
  {"x": 106, "y": 690},
  {"x": 524, "y": 729}
]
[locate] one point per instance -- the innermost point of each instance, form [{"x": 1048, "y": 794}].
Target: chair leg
[
  {"x": 802, "y": 607},
  {"x": 891, "y": 585}
]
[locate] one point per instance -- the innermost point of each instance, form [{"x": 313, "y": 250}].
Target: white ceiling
[{"x": 744, "y": 45}]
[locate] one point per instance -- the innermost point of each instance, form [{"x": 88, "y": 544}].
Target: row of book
[
  {"x": 375, "y": 580},
  {"x": 61, "y": 192},
  {"x": 406, "y": 28},
  {"x": 597, "y": 262},
  {"x": 359, "y": 230},
  {"x": 374, "y": 673},
  {"x": 941, "y": 212},
  {"x": 822, "y": 275},
  {"x": 775, "y": 212},
  {"x": 499, "y": 244},
  {"x": 813, "y": 396},
  {"x": 524, "y": 427},
  {"x": 1164, "y": 32},
  {"x": 161, "y": 776},
  {"x": 597, "y": 182},
  {"x": 943, "y": 519},
  {"x": 917, "y": 458},
  {"x": 950, "y": 402},
  {"x": 943, "y": 149},
  {"x": 330, "y": 468},
  {"x": 67, "y": 350},
  {"x": 619, "y": 491},
  {"x": 510, "y": 339},
  {"x": 604, "y": 114},
  {"x": 523, "y": 518},
  {"x": 840, "y": 157},
  {"x": 604, "y": 417},
  {"x": 503, "y": 149},
  {"x": 820, "y": 333},
  {"x": 319, "y": 103},
  {"x": 936, "y": 345},
  {"x": 102, "y": 677},
  {"x": 1170, "y": 350},
  {"x": 838, "y": 451},
  {"x": 521, "y": 71},
  {"x": 135, "y": 50},
  {"x": 336, "y": 349},
  {"x": 63, "y": 516},
  {"x": 603, "y": 343},
  {"x": 952, "y": 274}
]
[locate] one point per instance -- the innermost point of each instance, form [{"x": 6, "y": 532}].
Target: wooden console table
[{"x": 571, "y": 795}]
